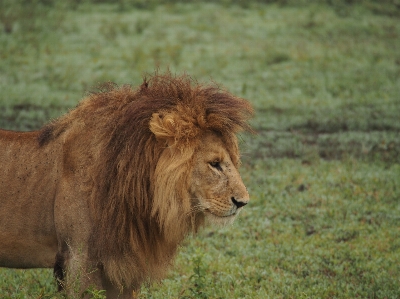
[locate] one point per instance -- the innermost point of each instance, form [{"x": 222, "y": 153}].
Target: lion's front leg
[
  {"x": 83, "y": 279},
  {"x": 113, "y": 292},
  {"x": 77, "y": 276}
]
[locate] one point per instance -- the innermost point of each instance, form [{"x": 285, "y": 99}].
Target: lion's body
[
  {"x": 27, "y": 232},
  {"x": 106, "y": 193}
]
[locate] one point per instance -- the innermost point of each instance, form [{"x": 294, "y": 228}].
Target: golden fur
[{"x": 128, "y": 173}]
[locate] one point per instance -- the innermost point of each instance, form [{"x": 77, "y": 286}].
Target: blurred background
[{"x": 323, "y": 169}]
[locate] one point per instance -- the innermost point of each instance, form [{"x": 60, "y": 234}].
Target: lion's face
[{"x": 215, "y": 184}]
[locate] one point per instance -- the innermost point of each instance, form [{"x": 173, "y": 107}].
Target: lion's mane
[{"x": 137, "y": 187}]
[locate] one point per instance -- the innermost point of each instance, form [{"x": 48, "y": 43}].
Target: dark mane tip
[
  {"x": 45, "y": 135},
  {"x": 144, "y": 85}
]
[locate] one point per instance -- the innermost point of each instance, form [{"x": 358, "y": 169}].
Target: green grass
[{"x": 323, "y": 170}]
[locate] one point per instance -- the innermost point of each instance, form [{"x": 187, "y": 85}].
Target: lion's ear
[
  {"x": 163, "y": 127},
  {"x": 174, "y": 128}
]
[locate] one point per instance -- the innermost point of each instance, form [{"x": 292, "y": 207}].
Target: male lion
[{"x": 106, "y": 193}]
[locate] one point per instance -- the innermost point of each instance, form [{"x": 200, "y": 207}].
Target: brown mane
[{"x": 137, "y": 184}]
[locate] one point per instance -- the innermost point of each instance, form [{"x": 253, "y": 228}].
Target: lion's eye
[{"x": 216, "y": 165}]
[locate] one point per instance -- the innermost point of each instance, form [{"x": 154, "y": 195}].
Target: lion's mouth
[
  {"x": 219, "y": 216},
  {"x": 218, "y": 219}
]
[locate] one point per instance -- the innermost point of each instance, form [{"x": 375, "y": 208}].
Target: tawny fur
[{"x": 124, "y": 159}]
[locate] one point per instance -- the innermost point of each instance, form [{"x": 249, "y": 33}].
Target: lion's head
[
  {"x": 215, "y": 184},
  {"x": 197, "y": 173},
  {"x": 163, "y": 159}
]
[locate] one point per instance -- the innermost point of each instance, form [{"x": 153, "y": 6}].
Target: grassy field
[{"x": 323, "y": 170}]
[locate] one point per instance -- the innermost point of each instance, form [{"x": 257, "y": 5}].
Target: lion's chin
[{"x": 219, "y": 220}]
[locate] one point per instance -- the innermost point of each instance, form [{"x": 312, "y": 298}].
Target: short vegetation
[{"x": 323, "y": 170}]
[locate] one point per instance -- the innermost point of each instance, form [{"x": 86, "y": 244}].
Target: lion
[{"x": 107, "y": 192}]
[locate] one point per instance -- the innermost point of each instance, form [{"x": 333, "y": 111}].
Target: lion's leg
[
  {"x": 113, "y": 292},
  {"x": 77, "y": 279},
  {"x": 77, "y": 275},
  {"x": 59, "y": 268}
]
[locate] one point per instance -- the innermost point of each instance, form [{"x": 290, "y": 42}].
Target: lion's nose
[{"x": 237, "y": 203}]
